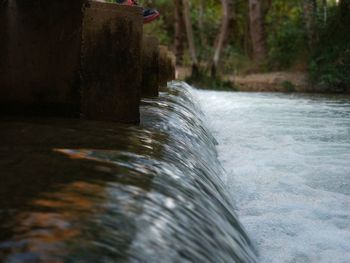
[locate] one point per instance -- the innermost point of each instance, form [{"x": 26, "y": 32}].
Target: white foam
[{"x": 288, "y": 164}]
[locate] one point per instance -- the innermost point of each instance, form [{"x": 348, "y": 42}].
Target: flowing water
[
  {"x": 287, "y": 158},
  {"x": 84, "y": 191}
]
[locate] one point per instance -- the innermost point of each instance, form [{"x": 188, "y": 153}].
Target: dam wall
[
  {"x": 111, "y": 67},
  {"x": 77, "y": 59},
  {"x": 40, "y": 56}
]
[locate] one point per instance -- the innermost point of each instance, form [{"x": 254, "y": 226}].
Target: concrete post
[
  {"x": 150, "y": 62},
  {"x": 45, "y": 68},
  {"x": 172, "y": 66},
  {"x": 163, "y": 53},
  {"x": 3, "y": 42},
  {"x": 111, "y": 62},
  {"x": 166, "y": 65},
  {"x": 40, "y": 56}
]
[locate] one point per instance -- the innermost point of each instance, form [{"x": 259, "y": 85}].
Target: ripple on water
[{"x": 288, "y": 164}]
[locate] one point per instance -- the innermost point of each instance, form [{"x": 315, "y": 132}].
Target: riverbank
[
  {"x": 281, "y": 81},
  {"x": 262, "y": 82},
  {"x": 273, "y": 81}
]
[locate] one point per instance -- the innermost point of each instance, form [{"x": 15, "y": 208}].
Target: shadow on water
[{"x": 84, "y": 191}]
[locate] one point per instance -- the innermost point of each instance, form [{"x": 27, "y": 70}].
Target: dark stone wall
[
  {"x": 111, "y": 62},
  {"x": 150, "y": 71},
  {"x": 41, "y": 71}
]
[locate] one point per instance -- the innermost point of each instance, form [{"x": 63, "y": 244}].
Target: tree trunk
[
  {"x": 201, "y": 23},
  {"x": 225, "y": 33},
  {"x": 257, "y": 30},
  {"x": 190, "y": 38},
  {"x": 325, "y": 11},
  {"x": 179, "y": 31},
  {"x": 309, "y": 10}
]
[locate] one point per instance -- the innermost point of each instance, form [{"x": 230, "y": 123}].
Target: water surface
[
  {"x": 85, "y": 191},
  {"x": 287, "y": 157}
]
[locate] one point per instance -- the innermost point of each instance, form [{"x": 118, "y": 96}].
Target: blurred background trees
[{"x": 233, "y": 37}]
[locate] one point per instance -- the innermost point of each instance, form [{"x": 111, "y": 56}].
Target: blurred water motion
[
  {"x": 287, "y": 157},
  {"x": 84, "y": 191}
]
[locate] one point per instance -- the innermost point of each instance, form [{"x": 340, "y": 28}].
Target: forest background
[{"x": 239, "y": 37}]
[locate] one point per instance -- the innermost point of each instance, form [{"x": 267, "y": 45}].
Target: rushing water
[
  {"x": 287, "y": 158},
  {"x": 84, "y": 191}
]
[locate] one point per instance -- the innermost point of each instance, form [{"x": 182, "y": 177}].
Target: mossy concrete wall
[
  {"x": 111, "y": 62},
  {"x": 150, "y": 70}
]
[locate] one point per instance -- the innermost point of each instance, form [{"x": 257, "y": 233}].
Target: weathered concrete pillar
[
  {"x": 172, "y": 66},
  {"x": 163, "y": 53},
  {"x": 3, "y": 41},
  {"x": 40, "y": 56},
  {"x": 45, "y": 69},
  {"x": 166, "y": 65},
  {"x": 150, "y": 62},
  {"x": 111, "y": 62}
]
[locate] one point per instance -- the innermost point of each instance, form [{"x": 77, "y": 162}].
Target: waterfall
[{"x": 102, "y": 192}]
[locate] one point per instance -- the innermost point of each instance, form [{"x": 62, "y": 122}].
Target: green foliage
[
  {"x": 286, "y": 36},
  {"x": 235, "y": 61},
  {"x": 285, "y": 45},
  {"x": 330, "y": 64},
  {"x": 158, "y": 28},
  {"x": 203, "y": 81},
  {"x": 286, "y": 40}
]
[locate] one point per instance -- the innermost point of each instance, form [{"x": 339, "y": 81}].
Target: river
[
  {"x": 211, "y": 177},
  {"x": 85, "y": 191},
  {"x": 287, "y": 158}
]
